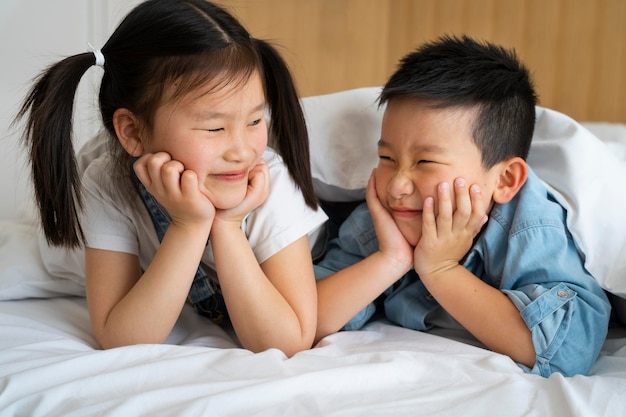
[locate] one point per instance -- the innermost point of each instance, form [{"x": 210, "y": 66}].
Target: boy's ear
[
  {"x": 512, "y": 177},
  {"x": 128, "y": 131}
]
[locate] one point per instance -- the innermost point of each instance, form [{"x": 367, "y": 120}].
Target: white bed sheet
[{"x": 50, "y": 366}]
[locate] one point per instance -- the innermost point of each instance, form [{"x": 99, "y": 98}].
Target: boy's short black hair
[{"x": 463, "y": 72}]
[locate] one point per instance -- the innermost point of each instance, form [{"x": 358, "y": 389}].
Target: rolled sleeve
[{"x": 568, "y": 325}]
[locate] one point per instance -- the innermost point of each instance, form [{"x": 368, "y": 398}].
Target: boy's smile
[{"x": 422, "y": 146}]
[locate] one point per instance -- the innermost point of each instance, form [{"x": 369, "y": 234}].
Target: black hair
[
  {"x": 191, "y": 41},
  {"x": 462, "y": 72}
]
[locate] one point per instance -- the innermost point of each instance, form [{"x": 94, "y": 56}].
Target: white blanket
[{"x": 50, "y": 367}]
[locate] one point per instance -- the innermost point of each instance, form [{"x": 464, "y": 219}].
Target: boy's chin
[
  {"x": 411, "y": 230},
  {"x": 412, "y": 237}
]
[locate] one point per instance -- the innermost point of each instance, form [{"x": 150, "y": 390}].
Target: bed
[{"x": 50, "y": 363}]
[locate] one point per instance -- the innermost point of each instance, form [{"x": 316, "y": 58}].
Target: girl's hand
[
  {"x": 175, "y": 188},
  {"x": 391, "y": 242},
  {"x": 447, "y": 237},
  {"x": 257, "y": 193}
]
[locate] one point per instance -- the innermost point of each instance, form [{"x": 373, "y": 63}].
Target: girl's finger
[
  {"x": 259, "y": 183},
  {"x": 141, "y": 170},
  {"x": 188, "y": 182},
  {"x": 170, "y": 175}
]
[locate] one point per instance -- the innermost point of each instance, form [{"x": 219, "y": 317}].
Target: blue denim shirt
[{"x": 526, "y": 251}]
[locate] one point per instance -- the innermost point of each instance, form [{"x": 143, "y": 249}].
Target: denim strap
[{"x": 205, "y": 294}]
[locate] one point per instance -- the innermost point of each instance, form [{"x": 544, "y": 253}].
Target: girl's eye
[
  {"x": 424, "y": 161},
  {"x": 216, "y": 130},
  {"x": 385, "y": 158},
  {"x": 256, "y": 122}
]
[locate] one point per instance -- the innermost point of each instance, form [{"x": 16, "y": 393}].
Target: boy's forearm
[
  {"x": 343, "y": 294},
  {"x": 484, "y": 311}
]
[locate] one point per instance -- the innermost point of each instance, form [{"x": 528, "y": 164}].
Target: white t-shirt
[{"x": 114, "y": 221}]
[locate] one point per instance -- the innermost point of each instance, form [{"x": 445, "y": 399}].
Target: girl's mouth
[{"x": 234, "y": 176}]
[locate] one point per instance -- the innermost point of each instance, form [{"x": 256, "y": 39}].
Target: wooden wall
[{"x": 576, "y": 49}]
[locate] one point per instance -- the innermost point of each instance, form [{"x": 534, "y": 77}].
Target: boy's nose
[{"x": 400, "y": 186}]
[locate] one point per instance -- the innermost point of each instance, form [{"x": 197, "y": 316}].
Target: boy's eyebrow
[{"x": 430, "y": 148}]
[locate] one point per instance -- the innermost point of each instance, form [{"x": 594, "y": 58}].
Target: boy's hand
[
  {"x": 448, "y": 236},
  {"x": 257, "y": 193},
  {"x": 175, "y": 188},
  {"x": 391, "y": 241}
]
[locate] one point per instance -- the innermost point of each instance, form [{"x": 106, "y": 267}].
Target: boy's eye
[
  {"x": 424, "y": 161},
  {"x": 385, "y": 158},
  {"x": 256, "y": 122}
]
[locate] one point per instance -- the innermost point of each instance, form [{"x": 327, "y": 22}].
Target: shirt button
[{"x": 562, "y": 294}]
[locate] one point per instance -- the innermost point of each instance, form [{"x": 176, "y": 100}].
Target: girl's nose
[
  {"x": 239, "y": 149},
  {"x": 400, "y": 186}
]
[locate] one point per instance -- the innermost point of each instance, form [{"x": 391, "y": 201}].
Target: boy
[{"x": 456, "y": 131}]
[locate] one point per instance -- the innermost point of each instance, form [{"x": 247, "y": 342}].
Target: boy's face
[{"x": 421, "y": 147}]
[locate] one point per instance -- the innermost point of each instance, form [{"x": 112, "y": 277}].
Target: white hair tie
[{"x": 98, "y": 54}]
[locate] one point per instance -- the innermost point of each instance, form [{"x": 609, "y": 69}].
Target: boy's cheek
[{"x": 381, "y": 189}]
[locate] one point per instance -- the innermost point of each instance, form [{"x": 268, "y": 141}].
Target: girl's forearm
[
  {"x": 149, "y": 309},
  {"x": 276, "y": 312}
]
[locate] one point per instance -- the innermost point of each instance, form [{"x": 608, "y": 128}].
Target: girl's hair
[{"x": 160, "y": 41}]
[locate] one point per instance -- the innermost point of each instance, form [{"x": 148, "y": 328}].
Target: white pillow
[
  {"x": 22, "y": 272},
  {"x": 577, "y": 166},
  {"x": 585, "y": 173},
  {"x": 344, "y": 129}
]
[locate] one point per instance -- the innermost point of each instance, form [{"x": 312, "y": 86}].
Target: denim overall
[{"x": 205, "y": 294}]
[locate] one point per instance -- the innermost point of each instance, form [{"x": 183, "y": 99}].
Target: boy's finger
[
  {"x": 479, "y": 208},
  {"x": 444, "y": 214},
  {"x": 373, "y": 202},
  {"x": 429, "y": 223},
  {"x": 463, "y": 210}
]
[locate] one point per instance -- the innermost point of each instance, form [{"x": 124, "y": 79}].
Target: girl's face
[
  {"x": 219, "y": 134},
  {"x": 421, "y": 147}
]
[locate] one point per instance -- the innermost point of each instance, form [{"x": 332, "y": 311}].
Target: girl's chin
[
  {"x": 222, "y": 202},
  {"x": 227, "y": 205}
]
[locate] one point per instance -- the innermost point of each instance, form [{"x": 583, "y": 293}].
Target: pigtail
[
  {"x": 288, "y": 126},
  {"x": 48, "y": 109}
]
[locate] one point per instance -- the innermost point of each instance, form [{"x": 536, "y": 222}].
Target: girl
[{"x": 186, "y": 203}]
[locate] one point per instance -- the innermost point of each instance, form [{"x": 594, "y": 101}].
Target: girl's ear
[
  {"x": 512, "y": 177},
  {"x": 128, "y": 131}
]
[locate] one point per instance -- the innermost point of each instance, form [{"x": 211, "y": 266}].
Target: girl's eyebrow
[{"x": 212, "y": 114}]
